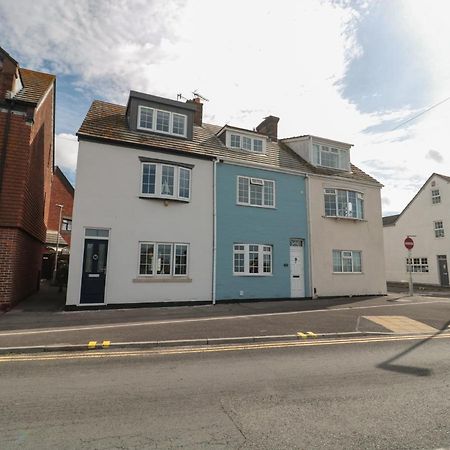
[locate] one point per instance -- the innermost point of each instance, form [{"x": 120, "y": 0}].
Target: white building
[
  {"x": 143, "y": 212},
  {"x": 346, "y": 232},
  {"x": 425, "y": 219}
]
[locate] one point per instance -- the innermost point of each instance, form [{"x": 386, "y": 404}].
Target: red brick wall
[
  {"x": 20, "y": 262},
  {"x": 60, "y": 196}
]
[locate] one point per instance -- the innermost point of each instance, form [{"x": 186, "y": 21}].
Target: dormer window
[
  {"x": 244, "y": 142},
  {"x": 160, "y": 121},
  {"x": 334, "y": 158}
]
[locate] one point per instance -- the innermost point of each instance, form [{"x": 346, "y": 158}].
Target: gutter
[{"x": 4, "y": 149}]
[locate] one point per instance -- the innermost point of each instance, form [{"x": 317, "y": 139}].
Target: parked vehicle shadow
[{"x": 411, "y": 370}]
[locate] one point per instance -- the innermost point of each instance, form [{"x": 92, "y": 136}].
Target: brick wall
[{"x": 20, "y": 261}]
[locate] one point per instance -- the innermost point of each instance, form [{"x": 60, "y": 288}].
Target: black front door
[
  {"x": 94, "y": 271},
  {"x": 443, "y": 270}
]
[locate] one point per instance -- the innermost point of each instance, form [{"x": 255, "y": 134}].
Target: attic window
[
  {"x": 246, "y": 143},
  {"x": 335, "y": 158},
  {"x": 160, "y": 121}
]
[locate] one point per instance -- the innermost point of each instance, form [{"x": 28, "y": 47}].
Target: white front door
[{"x": 297, "y": 267}]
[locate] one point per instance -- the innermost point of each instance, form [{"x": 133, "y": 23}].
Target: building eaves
[
  {"x": 60, "y": 174},
  {"x": 35, "y": 86}
]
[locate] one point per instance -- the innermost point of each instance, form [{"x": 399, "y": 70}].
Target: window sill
[
  {"x": 170, "y": 279},
  {"x": 172, "y": 199},
  {"x": 253, "y": 275},
  {"x": 255, "y": 206},
  {"x": 348, "y": 273},
  {"x": 352, "y": 219}
]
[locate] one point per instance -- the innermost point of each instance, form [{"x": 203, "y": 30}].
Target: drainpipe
[
  {"x": 215, "y": 161},
  {"x": 5, "y": 145},
  {"x": 308, "y": 222}
]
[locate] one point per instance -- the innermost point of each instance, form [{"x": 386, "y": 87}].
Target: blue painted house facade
[{"x": 262, "y": 243}]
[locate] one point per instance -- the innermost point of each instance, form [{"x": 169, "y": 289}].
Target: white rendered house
[{"x": 426, "y": 219}]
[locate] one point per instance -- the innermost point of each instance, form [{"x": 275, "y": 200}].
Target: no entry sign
[{"x": 409, "y": 243}]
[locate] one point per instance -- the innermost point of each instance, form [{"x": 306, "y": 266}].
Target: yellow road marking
[
  {"x": 311, "y": 334},
  {"x": 214, "y": 349},
  {"x": 401, "y": 324},
  {"x": 91, "y": 345},
  {"x": 106, "y": 344},
  {"x": 302, "y": 335}
]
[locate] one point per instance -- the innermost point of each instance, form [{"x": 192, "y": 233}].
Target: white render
[
  {"x": 417, "y": 220},
  {"x": 330, "y": 233},
  {"x": 107, "y": 196}
]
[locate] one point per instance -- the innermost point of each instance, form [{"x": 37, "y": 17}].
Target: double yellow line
[{"x": 211, "y": 348}]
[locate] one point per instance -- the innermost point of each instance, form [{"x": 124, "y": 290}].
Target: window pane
[
  {"x": 360, "y": 206},
  {"x": 148, "y": 178},
  {"x": 268, "y": 193},
  {"x": 146, "y": 259},
  {"x": 88, "y": 257},
  {"x": 239, "y": 263},
  {"x": 179, "y": 124},
  {"x": 235, "y": 141},
  {"x": 357, "y": 262},
  {"x": 181, "y": 251},
  {"x": 267, "y": 263},
  {"x": 253, "y": 259},
  {"x": 246, "y": 143},
  {"x": 352, "y": 206},
  {"x": 164, "y": 259},
  {"x": 184, "y": 183},
  {"x": 328, "y": 158},
  {"x": 162, "y": 121},
  {"x": 146, "y": 118},
  {"x": 330, "y": 202},
  {"x": 94, "y": 232},
  {"x": 243, "y": 184},
  {"x": 257, "y": 145},
  {"x": 342, "y": 203},
  {"x": 316, "y": 154},
  {"x": 347, "y": 264},
  {"x": 167, "y": 180},
  {"x": 256, "y": 194},
  {"x": 337, "y": 263}
]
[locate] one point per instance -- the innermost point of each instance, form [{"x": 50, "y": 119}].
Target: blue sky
[{"x": 346, "y": 70}]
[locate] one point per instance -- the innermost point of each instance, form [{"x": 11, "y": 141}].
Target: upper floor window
[
  {"x": 417, "y": 265},
  {"x": 335, "y": 158},
  {"x": 342, "y": 203},
  {"x": 439, "y": 229},
  {"x": 435, "y": 196},
  {"x": 248, "y": 143},
  {"x": 66, "y": 225},
  {"x": 166, "y": 122},
  {"x": 165, "y": 181},
  {"x": 347, "y": 261},
  {"x": 256, "y": 192},
  {"x": 252, "y": 259}
]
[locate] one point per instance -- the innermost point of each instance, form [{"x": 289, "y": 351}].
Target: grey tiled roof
[
  {"x": 107, "y": 121},
  {"x": 390, "y": 220}
]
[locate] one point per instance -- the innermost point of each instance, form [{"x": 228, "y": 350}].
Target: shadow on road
[{"x": 411, "y": 370}]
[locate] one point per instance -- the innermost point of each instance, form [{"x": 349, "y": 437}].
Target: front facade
[
  {"x": 425, "y": 219},
  {"x": 170, "y": 209},
  {"x": 346, "y": 234},
  {"x": 26, "y": 165}
]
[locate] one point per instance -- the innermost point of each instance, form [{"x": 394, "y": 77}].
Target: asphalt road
[{"x": 322, "y": 396}]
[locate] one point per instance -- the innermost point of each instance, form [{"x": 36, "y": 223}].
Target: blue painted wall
[{"x": 255, "y": 225}]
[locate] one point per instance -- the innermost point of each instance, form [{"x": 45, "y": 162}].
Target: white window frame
[
  {"x": 158, "y": 182},
  {"x": 155, "y": 263},
  {"x": 153, "y": 127},
  {"x": 259, "y": 181},
  {"x": 243, "y": 136},
  {"x": 418, "y": 265},
  {"x": 263, "y": 249},
  {"x": 347, "y": 255},
  {"x": 439, "y": 229},
  {"x": 343, "y": 156},
  {"x": 435, "y": 196},
  {"x": 360, "y": 208}
]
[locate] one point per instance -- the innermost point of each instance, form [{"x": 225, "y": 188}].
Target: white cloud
[
  {"x": 250, "y": 59},
  {"x": 66, "y": 151}
]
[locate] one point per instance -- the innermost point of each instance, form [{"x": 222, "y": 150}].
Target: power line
[{"x": 422, "y": 113}]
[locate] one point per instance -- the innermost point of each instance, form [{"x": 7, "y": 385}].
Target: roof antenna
[
  {"x": 181, "y": 97},
  {"x": 200, "y": 96}
]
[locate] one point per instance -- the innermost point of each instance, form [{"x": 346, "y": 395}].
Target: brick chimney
[
  {"x": 269, "y": 127},
  {"x": 198, "y": 115}
]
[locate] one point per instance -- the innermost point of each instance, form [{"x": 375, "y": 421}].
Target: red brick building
[
  {"x": 61, "y": 201},
  {"x": 27, "y": 109}
]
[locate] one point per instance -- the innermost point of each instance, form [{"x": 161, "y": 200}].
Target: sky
[{"x": 354, "y": 71}]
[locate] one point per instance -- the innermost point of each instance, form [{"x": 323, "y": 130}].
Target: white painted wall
[
  {"x": 107, "y": 196},
  {"x": 418, "y": 219},
  {"x": 328, "y": 234}
]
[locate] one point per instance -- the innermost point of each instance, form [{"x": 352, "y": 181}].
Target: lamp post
[{"x": 57, "y": 242}]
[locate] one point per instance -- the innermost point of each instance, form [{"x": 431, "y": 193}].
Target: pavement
[{"x": 41, "y": 324}]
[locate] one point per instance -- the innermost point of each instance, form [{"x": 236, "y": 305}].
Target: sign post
[{"x": 409, "y": 244}]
